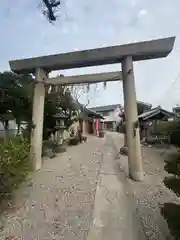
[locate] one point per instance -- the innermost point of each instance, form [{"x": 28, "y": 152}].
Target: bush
[
  {"x": 51, "y": 144},
  {"x": 171, "y": 211},
  {"x": 14, "y": 165},
  {"x": 172, "y": 129},
  {"x": 51, "y": 147}
]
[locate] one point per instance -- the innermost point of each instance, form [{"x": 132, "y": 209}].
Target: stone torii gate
[{"x": 124, "y": 54}]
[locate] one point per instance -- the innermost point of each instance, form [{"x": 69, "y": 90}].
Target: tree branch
[{"x": 50, "y": 5}]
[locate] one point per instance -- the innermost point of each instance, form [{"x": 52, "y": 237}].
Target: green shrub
[
  {"x": 171, "y": 211},
  {"x": 14, "y": 164},
  {"x": 173, "y": 166},
  {"x": 51, "y": 144},
  {"x": 171, "y": 128}
]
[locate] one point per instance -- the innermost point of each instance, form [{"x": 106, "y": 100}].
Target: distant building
[
  {"x": 110, "y": 114},
  {"x": 176, "y": 111},
  {"x": 149, "y": 121},
  {"x": 12, "y": 129}
]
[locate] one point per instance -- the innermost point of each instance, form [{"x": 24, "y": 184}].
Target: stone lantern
[{"x": 60, "y": 126}]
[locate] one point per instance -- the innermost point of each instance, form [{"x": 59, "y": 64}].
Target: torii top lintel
[{"x": 101, "y": 56}]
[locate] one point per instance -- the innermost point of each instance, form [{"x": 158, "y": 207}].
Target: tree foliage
[
  {"x": 15, "y": 98},
  {"x": 16, "y": 92},
  {"x": 142, "y": 107},
  {"x": 59, "y": 101}
]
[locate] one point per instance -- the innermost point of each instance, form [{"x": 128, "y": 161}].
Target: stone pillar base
[
  {"x": 124, "y": 150},
  {"x": 136, "y": 176}
]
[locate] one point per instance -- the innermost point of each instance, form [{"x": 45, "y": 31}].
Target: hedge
[{"x": 14, "y": 165}]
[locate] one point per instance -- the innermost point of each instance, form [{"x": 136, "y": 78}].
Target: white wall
[
  {"x": 12, "y": 128},
  {"x": 114, "y": 115},
  {"x": 12, "y": 125}
]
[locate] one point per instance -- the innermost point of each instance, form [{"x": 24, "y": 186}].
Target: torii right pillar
[{"x": 132, "y": 128}]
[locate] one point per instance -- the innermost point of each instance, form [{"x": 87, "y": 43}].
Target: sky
[{"x": 98, "y": 23}]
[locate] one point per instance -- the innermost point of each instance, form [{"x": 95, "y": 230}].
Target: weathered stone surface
[{"x": 93, "y": 57}]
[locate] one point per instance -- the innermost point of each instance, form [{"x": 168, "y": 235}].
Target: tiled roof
[
  {"x": 153, "y": 112},
  {"x": 60, "y": 115},
  {"x": 105, "y": 108},
  {"x": 86, "y": 110},
  {"x": 114, "y": 106},
  {"x": 93, "y": 113}
]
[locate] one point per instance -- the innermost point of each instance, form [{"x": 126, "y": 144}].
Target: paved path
[{"x": 114, "y": 215}]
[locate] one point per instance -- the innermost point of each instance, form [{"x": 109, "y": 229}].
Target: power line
[{"x": 172, "y": 84}]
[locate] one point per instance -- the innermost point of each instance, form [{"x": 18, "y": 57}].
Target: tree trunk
[
  {"x": 18, "y": 130},
  {"x": 6, "y": 133}
]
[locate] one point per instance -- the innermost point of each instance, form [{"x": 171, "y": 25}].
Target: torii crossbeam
[{"x": 85, "y": 79}]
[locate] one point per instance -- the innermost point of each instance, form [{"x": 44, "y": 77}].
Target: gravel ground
[
  {"x": 151, "y": 193},
  {"x": 57, "y": 201}
]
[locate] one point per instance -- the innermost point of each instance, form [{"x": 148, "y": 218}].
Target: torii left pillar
[{"x": 37, "y": 119}]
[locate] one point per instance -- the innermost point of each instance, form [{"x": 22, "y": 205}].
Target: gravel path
[
  {"x": 58, "y": 202},
  {"x": 151, "y": 193}
]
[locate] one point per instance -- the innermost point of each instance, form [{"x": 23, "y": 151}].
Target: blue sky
[{"x": 97, "y": 23}]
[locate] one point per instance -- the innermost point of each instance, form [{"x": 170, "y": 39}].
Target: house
[
  {"x": 149, "y": 120},
  {"x": 110, "y": 114},
  {"x": 176, "y": 111},
  {"x": 12, "y": 129},
  {"x": 85, "y": 120},
  {"x": 156, "y": 114}
]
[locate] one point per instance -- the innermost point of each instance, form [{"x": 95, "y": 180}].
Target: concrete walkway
[
  {"x": 114, "y": 215},
  {"x": 80, "y": 194}
]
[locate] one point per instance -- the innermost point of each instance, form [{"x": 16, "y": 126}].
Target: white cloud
[
  {"x": 65, "y": 30},
  {"x": 142, "y": 13}
]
